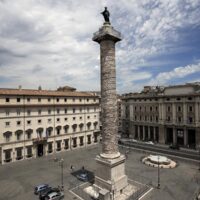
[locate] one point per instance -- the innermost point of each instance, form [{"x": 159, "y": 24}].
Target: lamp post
[
  {"x": 199, "y": 156},
  {"x": 61, "y": 165},
  {"x": 158, "y": 172}
]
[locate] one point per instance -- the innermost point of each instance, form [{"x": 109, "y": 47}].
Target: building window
[
  {"x": 49, "y": 120},
  {"x": 65, "y": 119},
  {"x": 66, "y": 142},
  {"x": 179, "y": 108},
  {"x": 89, "y": 139},
  {"x": 151, "y": 118},
  {"x": 19, "y": 154},
  {"x": 135, "y": 108},
  {"x": 80, "y": 110},
  {"x": 150, "y": 108},
  {"x": 65, "y": 110},
  {"x": 58, "y": 131},
  {"x": 74, "y": 110},
  {"x": 80, "y": 100},
  {"x": 49, "y": 112},
  {"x": 18, "y": 112},
  {"x": 58, "y": 145},
  {"x": 7, "y": 100},
  {"x": 80, "y": 118},
  {"x": 29, "y": 152},
  {"x": 88, "y": 117},
  {"x": 8, "y": 156},
  {"x": 57, "y": 99},
  {"x": 50, "y": 147},
  {"x": 18, "y": 136},
  {"x": 156, "y": 108},
  {"x": 87, "y": 100},
  {"x": 190, "y": 108},
  {"x": 29, "y": 135},
  {"x": 190, "y": 119},
  {"x": 28, "y": 99},
  {"x": 29, "y": 122},
  {"x": 74, "y": 118},
  {"x": 178, "y": 99},
  {"x": 94, "y": 100},
  {"x": 58, "y": 111},
  {"x": 168, "y": 119},
  {"x": 18, "y": 99},
  {"x": 39, "y": 112},
  {"x": 7, "y": 113},
  {"x": 156, "y": 118},
  {"x": 179, "y": 119},
  {"x": 28, "y": 112},
  {"x": 58, "y": 119},
  {"x": 7, "y": 137},
  {"x": 39, "y": 99},
  {"x": 39, "y": 121},
  {"x": 49, "y": 99},
  {"x": 73, "y": 99},
  {"x": 65, "y": 99},
  {"x": 190, "y": 98},
  {"x": 18, "y": 123},
  {"x": 7, "y": 123},
  {"x": 168, "y": 109}
]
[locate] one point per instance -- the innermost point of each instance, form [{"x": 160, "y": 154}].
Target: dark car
[
  {"x": 40, "y": 188},
  {"x": 83, "y": 176},
  {"x": 174, "y": 146},
  {"x": 46, "y": 192}
]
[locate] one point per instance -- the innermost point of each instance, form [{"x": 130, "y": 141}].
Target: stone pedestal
[{"x": 110, "y": 175}]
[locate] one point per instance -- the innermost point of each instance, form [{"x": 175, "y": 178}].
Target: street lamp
[
  {"x": 199, "y": 156},
  {"x": 61, "y": 165},
  {"x": 158, "y": 172}
]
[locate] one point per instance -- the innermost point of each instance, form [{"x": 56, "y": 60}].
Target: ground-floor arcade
[{"x": 184, "y": 136}]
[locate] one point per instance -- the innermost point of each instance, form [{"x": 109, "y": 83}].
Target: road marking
[
  {"x": 145, "y": 193},
  {"x": 75, "y": 195}
]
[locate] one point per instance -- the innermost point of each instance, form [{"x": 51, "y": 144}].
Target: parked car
[
  {"x": 174, "y": 146},
  {"x": 40, "y": 188},
  {"x": 55, "y": 196},
  {"x": 49, "y": 190},
  {"x": 82, "y": 176},
  {"x": 150, "y": 142}
]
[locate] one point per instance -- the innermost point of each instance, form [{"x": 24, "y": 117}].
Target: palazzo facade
[
  {"x": 36, "y": 123},
  {"x": 167, "y": 115}
]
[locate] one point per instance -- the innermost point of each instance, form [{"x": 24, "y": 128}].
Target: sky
[{"x": 48, "y": 43}]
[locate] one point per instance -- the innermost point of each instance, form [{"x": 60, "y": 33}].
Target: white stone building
[
  {"x": 168, "y": 115},
  {"x": 40, "y": 122}
]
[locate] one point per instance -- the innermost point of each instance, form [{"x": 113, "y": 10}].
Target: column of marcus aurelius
[{"x": 110, "y": 173}]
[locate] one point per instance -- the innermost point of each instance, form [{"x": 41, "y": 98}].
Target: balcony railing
[{"x": 39, "y": 140}]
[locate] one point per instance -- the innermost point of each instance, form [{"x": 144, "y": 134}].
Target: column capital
[{"x": 106, "y": 32}]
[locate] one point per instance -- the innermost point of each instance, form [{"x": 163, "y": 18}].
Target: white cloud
[
  {"x": 48, "y": 43},
  {"x": 176, "y": 73}
]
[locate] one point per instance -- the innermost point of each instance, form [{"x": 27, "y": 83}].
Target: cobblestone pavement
[{"x": 17, "y": 180}]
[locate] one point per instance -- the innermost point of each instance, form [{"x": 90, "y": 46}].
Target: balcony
[{"x": 39, "y": 140}]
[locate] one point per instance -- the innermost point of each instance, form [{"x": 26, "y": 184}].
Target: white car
[
  {"x": 55, "y": 196},
  {"x": 149, "y": 142}
]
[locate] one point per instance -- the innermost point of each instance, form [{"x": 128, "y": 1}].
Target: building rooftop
[{"x": 40, "y": 92}]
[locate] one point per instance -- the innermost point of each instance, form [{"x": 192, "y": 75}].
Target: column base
[{"x": 110, "y": 177}]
